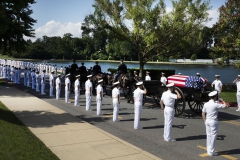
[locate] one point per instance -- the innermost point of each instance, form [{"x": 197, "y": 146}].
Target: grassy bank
[
  {"x": 17, "y": 141},
  {"x": 229, "y": 95}
]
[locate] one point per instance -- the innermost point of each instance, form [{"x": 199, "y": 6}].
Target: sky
[{"x": 57, "y": 17}]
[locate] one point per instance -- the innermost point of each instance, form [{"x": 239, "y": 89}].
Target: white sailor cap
[
  {"x": 180, "y": 73},
  {"x": 163, "y": 73},
  {"x": 89, "y": 76},
  {"x": 147, "y": 72},
  {"x": 213, "y": 93},
  {"x": 59, "y": 74},
  {"x": 198, "y": 74},
  {"x": 116, "y": 83},
  {"x": 217, "y": 75},
  {"x": 68, "y": 74},
  {"x": 78, "y": 76},
  {"x": 135, "y": 71},
  {"x": 238, "y": 75},
  {"x": 170, "y": 85},
  {"x": 139, "y": 83},
  {"x": 101, "y": 80}
]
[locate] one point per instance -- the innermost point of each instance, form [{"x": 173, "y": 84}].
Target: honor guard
[
  {"x": 116, "y": 101},
  {"x": 163, "y": 79},
  {"x": 67, "y": 88},
  {"x": 25, "y": 77},
  {"x": 147, "y": 77},
  {"x": 33, "y": 79},
  {"x": 28, "y": 77},
  {"x": 168, "y": 99},
  {"x": 217, "y": 85},
  {"x": 51, "y": 84},
  {"x": 210, "y": 117},
  {"x": 58, "y": 86},
  {"x": 99, "y": 97},
  {"x": 38, "y": 81},
  {"x": 88, "y": 93},
  {"x": 138, "y": 98},
  {"x": 43, "y": 79},
  {"x": 77, "y": 90},
  {"x": 237, "y": 82}
]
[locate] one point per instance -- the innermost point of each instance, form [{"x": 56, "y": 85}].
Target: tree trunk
[{"x": 141, "y": 67}]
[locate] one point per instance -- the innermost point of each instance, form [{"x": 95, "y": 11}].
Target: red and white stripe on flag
[{"x": 178, "y": 80}]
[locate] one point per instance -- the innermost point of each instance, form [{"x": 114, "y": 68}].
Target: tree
[
  {"x": 227, "y": 31},
  {"x": 193, "y": 57},
  {"x": 147, "y": 27},
  {"x": 15, "y": 23}
]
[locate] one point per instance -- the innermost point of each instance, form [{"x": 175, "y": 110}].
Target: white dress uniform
[
  {"x": 43, "y": 79},
  {"x": 19, "y": 76},
  {"x": 33, "y": 79},
  {"x": 77, "y": 92},
  {"x": 147, "y": 78},
  {"x": 58, "y": 88},
  {"x": 238, "y": 93},
  {"x": 168, "y": 99},
  {"x": 116, "y": 105},
  {"x": 138, "y": 95},
  {"x": 25, "y": 77},
  {"x": 88, "y": 93},
  {"x": 28, "y": 78},
  {"x": 163, "y": 80},
  {"x": 211, "y": 109},
  {"x": 51, "y": 84},
  {"x": 99, "y": 99},
  {"x": 217, "y": 84},
  {"x": 37, "y": 82},
  {"x": 67, "y": 90}
]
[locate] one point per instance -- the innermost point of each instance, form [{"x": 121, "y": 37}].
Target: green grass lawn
[
  {"x": 17, "y": 142},
  {"x": 229, "y": 96}
]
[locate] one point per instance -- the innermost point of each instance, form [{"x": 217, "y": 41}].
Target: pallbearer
[
  {"x": 217, "y": 85},
  {"x": 116, "y": 101},
  {"x": 99, "y": 97},
  {"x": 51, "y": 84},
  {"x": 163, "y": 79},
  {"x": 210, "y": 117},
  {"x": 67, "y": 88},
  {"x": 43, "y": 79},
  {"x": 168, "y": 99},
  {"x": 147, "y": 78},
  {"x": 237, "y": 82},
  {"x": 77, "y": 90},
  {"x": 88, "y": 92},
  {"x": 138, "y": 98},
  {"x": 58, "y": 87}
]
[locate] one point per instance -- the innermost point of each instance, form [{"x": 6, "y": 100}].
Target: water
[{"x": 227, "y": 74}]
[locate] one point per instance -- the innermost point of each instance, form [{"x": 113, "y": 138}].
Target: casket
[{"x": 188, "y": 81}]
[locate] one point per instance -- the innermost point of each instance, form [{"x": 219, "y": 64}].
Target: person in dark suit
[
  {"x": 96, "y": 69},
  {"x": 122, "y": 68}
]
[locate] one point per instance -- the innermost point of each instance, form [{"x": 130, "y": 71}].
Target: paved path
[{"x": 67, "y": 136}]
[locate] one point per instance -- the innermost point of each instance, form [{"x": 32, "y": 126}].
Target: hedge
[{"x": 155, "y": 74}]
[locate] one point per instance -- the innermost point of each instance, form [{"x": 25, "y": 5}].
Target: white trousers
[
  {"x": 211, "y": 130},
  {"x": 67, "y": 93},
  {"x": 58, "y": 93},
  {"x": 115, "y": 109},
  {"x": 33, "y": 83},
  {"x": 28, "y": 81},
  {"x": 37, "y": 87},
  {"x": 137, "y": 114},
  {"x": 168, "y": 120},
  {"x": 238, "y": 100},
  {"x": 51, "y": 89},
  {"x": 43, "y": 88},
  {"x": 77, "y": 95},
  {"x": 25, "y": 81},
  {"x": 88, "y": 100},
  {"x": 99, "y": 104}
]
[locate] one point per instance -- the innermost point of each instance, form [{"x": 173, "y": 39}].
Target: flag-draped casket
[{"x": 187, "y": 81}]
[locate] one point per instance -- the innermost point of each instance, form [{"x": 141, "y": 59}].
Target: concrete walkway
[{"x": 66, "y": 136}]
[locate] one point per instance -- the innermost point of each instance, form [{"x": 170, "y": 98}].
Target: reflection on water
[{"x": 228, "y": 74}]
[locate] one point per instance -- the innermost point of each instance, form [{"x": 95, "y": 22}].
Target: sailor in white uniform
[
  {"x": 147, "y": 77},
  {"x": 58, "y": 87},
  {"x": 138, "y": 98},
  {"x": 116, "y": 101},
  {"x": 217, "y": 85},
  {"x": 99, "y": 97},
  {"x": 38, "y": 80},
  {"x": 210, "y": 117},
  {"x": 237, "y": 82},
  {"x": 28, "y": 77},
  {"x": 43, "y": 80},
  {"x": 51, "y": 84},
  {"x": 168, "y": 99},
  {"x": 67, "y": 88},
  {"x": 88, "y": 93},
  {"x": 33, "y": 79},
  {"x": 77, "y": 90},
  {"x": 163, "y": 79}
]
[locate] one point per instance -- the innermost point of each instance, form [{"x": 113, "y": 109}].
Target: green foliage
[
  {"x": 193, "y": 57},
  {"x": 17, "y": 141}
]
